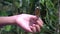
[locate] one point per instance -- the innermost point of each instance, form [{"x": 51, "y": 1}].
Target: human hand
[{"x": 29, "y": 23}]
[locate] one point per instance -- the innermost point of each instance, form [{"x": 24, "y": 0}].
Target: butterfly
[{"x": 37, "y": 11}]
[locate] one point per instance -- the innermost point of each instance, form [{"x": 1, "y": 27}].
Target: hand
[{"x": 29, "y": 23}]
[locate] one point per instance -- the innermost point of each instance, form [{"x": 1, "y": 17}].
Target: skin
[{"x": 29, "y": 23}]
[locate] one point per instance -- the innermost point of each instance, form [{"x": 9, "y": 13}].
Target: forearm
[{"x": 7, "y": 20}]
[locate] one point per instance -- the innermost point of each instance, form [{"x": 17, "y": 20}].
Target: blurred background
[{"x": 48, "y": 13}]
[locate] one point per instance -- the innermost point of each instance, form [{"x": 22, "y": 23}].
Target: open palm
[{"x": 29, "y": 23}]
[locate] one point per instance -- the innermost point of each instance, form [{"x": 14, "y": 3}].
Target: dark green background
[{"x": 48, "y": 13}]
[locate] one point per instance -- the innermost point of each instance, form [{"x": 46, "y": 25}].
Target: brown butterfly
[{"x": 37, "y": 11}]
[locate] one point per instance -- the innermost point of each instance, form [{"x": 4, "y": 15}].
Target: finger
[
  {"x": 40, "y": 22},
  {"x": 38, "y": 28},
  {"x": 33, "y": 28},
  {"x": 34, "y": 17}
]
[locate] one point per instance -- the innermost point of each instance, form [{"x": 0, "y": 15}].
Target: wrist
[
  {"x": 8, "y": 20},
  {"x": 12, "y": 19}
]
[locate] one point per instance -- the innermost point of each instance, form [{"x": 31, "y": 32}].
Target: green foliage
[{"x": 48, "y": 8}]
